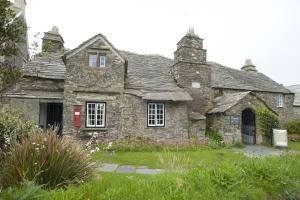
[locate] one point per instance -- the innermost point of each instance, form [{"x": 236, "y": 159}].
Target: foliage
[
  {"x": 13, "y": 127},
  {"x": 267, "y": 178},
  {"x": 45, "y": 159},
  {"x": 215, "y": 139},
  {"x": 12, "y": 31},
  {"x": 174, "y": 162},
  {"x": 28, "y": 190},
  {"x": 294, "y": 127},
  {"x": 267, "y": 121}
]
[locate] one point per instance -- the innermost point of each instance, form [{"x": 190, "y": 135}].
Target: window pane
[
  {"x": 102, "y": 61},
  {"x": 93, "y": 60}
]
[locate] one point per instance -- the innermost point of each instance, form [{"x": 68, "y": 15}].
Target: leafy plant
[
  {"x": 45, "y": 159},
  {"x": 12, "y": 31},
  {"x": 294, "y": 127},
  {"x": 267, "y": 121},
  {"x": 13, "y": 127}
]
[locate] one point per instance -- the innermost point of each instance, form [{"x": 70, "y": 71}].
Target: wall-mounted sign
[
  {"x": 280, "y": 138},
  {"x": 235, "y": 119}
]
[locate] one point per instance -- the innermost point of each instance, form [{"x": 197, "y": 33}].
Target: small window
[
  {"x": 156, "y": 114},
  {"x": 102, "y": 61},
  {"x": 93, "y": 60},
  {"x": 280, "y": 100},
  {"x": 95, "y": 115}
]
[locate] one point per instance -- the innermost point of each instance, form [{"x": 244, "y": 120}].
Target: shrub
[
  {"x": 13, "y": 127},
  {"x": 267, "y": 120},
  {"x": 294, "y": 127},
  {"x": 214, "y": 135},
  {"x": 46, "y": 160}
]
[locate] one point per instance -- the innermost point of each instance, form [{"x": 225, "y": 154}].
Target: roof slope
[
  {"x": 48, "y": 65},
  {"x": 295, "y": 89},
  {"x": 225, "y": 77},
  {"x": 149, "y": 77},
  {"x": 226, "y": 101}
]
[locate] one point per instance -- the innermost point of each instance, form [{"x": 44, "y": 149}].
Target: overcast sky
[{"x": 267, "y": 31}]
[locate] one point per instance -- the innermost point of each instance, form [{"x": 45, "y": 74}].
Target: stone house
[
  {"x": 296, "y": 106},
  {"x": 98, "y": 88}
]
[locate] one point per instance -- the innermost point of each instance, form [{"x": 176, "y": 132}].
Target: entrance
[
  {"x": 248, "y": 127},
  {"x": 51, "y": 115}
]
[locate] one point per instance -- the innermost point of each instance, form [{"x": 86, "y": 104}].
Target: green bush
[
  {"x": 13, "y": 127},
  {"x": 214, "y": 135},
  {"x": 267, "y": 120},
  {"x": 294, "y": 127},
  {"x": 45, "y": 159}
]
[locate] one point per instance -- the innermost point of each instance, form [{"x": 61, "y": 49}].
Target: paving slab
[
  {"x": 126, "y": 169},
  {"x": 107, "y": 167},
  {"x": 262, "y": 151},
  {"x": 149, "y": 171}
]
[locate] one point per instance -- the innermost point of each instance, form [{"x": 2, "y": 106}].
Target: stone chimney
[
  {"x": 52, "y": 41},
  {"x": 20, "y": 4},
  {"x": 190, "y": 49},
  {"x": 249, "y": 67}
]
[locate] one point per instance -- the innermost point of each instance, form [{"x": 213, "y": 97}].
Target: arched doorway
[{"x": 248, "y": 126}]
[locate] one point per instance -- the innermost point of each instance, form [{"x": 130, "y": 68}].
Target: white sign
[
  {"x": 195, "y": 84},
  {"x": 280, "y": 138},
  {"x": 77, "y": 113}
]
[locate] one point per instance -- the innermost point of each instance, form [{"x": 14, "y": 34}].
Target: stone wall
[
  {"x": 296, "y": 112},
  {"x": 187, "y": 73},
  {"x": 232, "y": 133},
  {"x": 84, "y": 83},
  {"x": 285, "y": 113},
  {"x": 134, "y": 121}
]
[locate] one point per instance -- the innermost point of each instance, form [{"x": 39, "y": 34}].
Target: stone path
[
  {"x": 108, "y": 167},
  {"x": 262, "y": 151}
]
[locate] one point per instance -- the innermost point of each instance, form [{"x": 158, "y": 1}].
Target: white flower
[
  {"x": 92, "y": 151},
  {"x": 35, "y": 163},
  {"x": 97, "y": 149},
  {"x": 33, "y": 143}
]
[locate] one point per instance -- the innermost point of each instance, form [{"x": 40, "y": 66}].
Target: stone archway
[{"x": 248, "y": 126}]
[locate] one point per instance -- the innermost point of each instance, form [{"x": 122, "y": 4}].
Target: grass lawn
[
  {"x": 152, "y": 159},
  {"x": 294, "y": 146},
  {"x": 215, "y": 174}
]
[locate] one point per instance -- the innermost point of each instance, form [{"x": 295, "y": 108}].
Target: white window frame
[
  {"x": 98, "y": 117},
  {"x": 102, "y": 61},
  {"x": 280, "y": 100},
  {"x": 93, "y": 63},
  {"x": 154, "y": 118}
]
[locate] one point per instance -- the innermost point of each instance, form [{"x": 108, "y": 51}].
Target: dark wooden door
[{"x": 248, "y": 127}]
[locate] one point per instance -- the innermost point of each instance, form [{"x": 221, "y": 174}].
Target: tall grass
[{"x": 46, "y": 160}]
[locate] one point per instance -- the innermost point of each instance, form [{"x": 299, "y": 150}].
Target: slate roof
[
  {"x": 226, "y": 101},
  {"x": 295, "y": 89},
  {"x": 225, "y": 77},
  {"x": 48, "y": 65},
  {"x": 149, "y": 77}
]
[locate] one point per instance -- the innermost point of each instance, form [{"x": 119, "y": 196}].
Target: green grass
[
  {"x": 294, "y": 146},
  {"x": 267, "y": 178},
  {"x": 206, "y": 156}
]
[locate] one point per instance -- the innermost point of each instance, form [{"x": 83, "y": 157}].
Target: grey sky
[{"x": 267, "y": 31}]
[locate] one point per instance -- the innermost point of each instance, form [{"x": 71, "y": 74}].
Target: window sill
[{"x": 94, "y": 129}]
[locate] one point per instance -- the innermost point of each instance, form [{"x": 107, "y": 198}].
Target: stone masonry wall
[
  {"x": 187, "y": 73},
  {"x": 134, "y": 121},
  {"x": 232, "y": 133},
  {"x": 285, "y": 113},
  {"x": 84, "y": 83}
]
